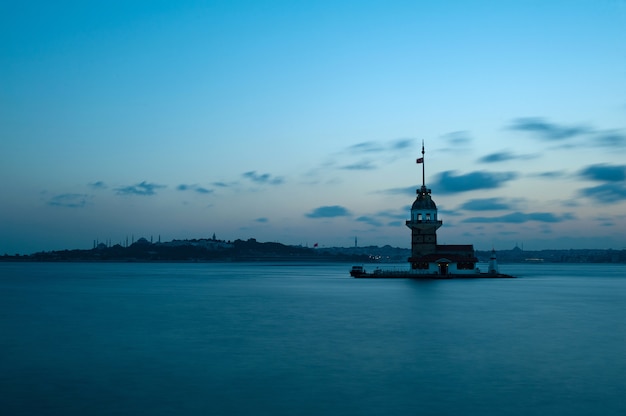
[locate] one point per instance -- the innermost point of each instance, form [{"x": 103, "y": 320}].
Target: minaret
[{"x": 423, "y": 222}]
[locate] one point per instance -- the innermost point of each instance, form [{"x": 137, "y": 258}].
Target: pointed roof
[{"x": 423, "y": 200}]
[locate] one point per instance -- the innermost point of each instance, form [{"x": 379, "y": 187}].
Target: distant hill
[
  {"x": 212, "y": 250},
  {"x": 517, "y": 255},
  {"x": 202, "y": 250}
]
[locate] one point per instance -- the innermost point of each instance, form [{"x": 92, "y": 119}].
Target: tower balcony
[{"x": 424, "y": 224}]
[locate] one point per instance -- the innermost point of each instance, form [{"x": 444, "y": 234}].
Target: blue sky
[{"x": 300, "y": 122}]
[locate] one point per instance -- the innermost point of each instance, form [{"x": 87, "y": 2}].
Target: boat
[{"x": 430, "y": 260}]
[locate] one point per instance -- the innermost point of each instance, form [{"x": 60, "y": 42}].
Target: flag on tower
[{"x": 420, "y": 160}]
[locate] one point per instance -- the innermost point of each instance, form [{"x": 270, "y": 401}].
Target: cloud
[
  {"x": 449, "y": 213},
  {"x": 365, "y": 147},
  {"x": 604, "y": 172},
  {"x": 486, "y": 204},
  {"x": 551, "y": 174},
  {"x": 606, "y": 193},
  {"x": 143, "y": 188},
  {"x": 262, "y": 220},
  {"x": 457, "y": 138},
  {"x": 97, "y": 185},
  {"x": 449, "y": 182},
  {"x": 392, "y": 148},
  {"x": 69, "y": 200},
  {"x": 329, "y": 212},
  {"x": 399, "y": 215},
  {"x": 604, "y": 221},
  {"x": 519, "y": 217},
  {"x": 503, "y": 157},
  {"x": 410, "y": 190},
  {"x": 362, "y": 165},
  {"x": 194, "y": 188},
  {"x": 264, "y": 178},
  {"x": 611, "y": 138},
  {"x": 382, "y": 218},
  {"x": 221, "y": 184},
  {"x": 496, "y": 157},
  {"x": 401, "y": 144},
  {"x": 546, "y": 130},
  {"x": 364, "y": 156},
  {"x": 378, "y": 147},
  {"x": 369, "y": 220}
]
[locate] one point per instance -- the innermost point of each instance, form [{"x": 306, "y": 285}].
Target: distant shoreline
[{"x": 240, "y": 251}]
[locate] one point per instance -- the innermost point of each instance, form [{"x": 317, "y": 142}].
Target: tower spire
[
  {"x": 421, "y": 161},
  {"x": 423, "y": 175}
]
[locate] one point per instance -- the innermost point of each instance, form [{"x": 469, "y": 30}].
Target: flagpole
[{"x": 423, "y": 169}]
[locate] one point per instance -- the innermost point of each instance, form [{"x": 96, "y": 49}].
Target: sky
[{"x": 300, "y": 122}]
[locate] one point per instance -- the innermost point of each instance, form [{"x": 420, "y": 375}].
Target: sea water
[{"x": 296, "y": 339}]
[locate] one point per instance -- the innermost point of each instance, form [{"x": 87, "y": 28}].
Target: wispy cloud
[
  {"x": 365, "y": 147},
  {"x": 329, "y": 212},
  {"x": 604, "y": 221},
  {"x": 194, "y": 188},
  {"x": 396, "y": 145},
  {"x": 97, "y": 185},
  {"x": 395, "y": 214},
  {"x": 606, "y": 193},
  {"x": 546, "y": 130},
  {"x": 519, "y": 217},
  {"x": 503, "y": 157},
  {"x": 144, "y": 188},
  {"x": 69, "y": 200},
  {"x": 401, "y": 144},
  {"x": 364, "y": 156},
  {"x": 408, "y": 190},
  {"x": 262, "y": 220},
  {"x": 362, "y": 165},
  {"x": 487, "y": 204},
  {"x": 370, "y": 221},
  {"x": 264, "y": 178},
  {"x": 457, "y": 138},
  {"x": 382, "y": 218},
  {"x": 611, "y": 138},
  {"x": 551, "y": 174},
  {"x": 450, "y": 212},
  {"x": 449, "y": 182},
  {"x": 603, "y": 172}
]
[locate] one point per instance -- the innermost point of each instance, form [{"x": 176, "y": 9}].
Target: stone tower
[{"x": 423, "y": 222}]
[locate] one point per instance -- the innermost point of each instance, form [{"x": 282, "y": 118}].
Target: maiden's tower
[{"x": 429, "y": 259}]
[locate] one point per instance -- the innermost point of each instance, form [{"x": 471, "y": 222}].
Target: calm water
[{"x": 224, "y": 339}]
